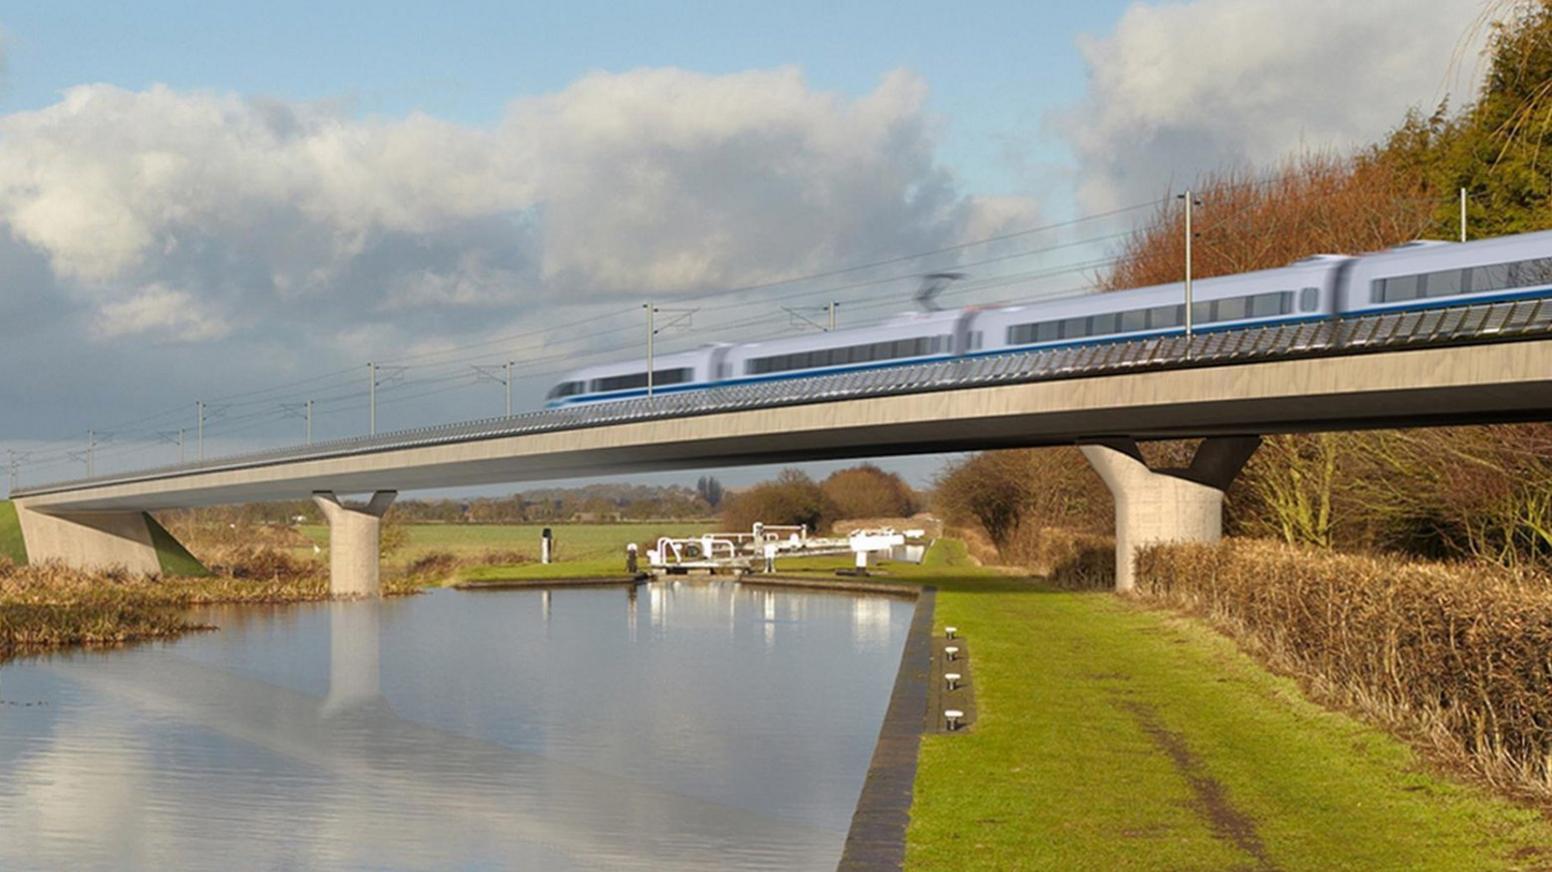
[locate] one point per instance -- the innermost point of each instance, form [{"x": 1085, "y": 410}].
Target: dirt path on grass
[{"x": 1212, "y": 800}]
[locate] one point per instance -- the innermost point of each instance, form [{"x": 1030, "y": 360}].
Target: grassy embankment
[
  {"x": 12, "y": 547},
  {"x": 1112, "y": 736}
]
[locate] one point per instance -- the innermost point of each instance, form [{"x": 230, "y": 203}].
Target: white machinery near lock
[{"x": 739, "y": 553}]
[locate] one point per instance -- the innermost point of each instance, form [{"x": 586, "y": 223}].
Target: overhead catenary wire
[
  {"x": 267, "y": 406},
  {"x": 571, "y": 360}
]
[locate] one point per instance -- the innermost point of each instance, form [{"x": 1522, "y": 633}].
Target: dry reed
[
  {"x": 436, "y": 567},
  {"x": 1068, "y": 559},
  {"x": 50, "y": 605}
]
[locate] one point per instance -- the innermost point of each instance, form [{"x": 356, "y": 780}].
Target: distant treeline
[
  {"x": 596, "y": 503},
  {"x": 863, "y": 491}
]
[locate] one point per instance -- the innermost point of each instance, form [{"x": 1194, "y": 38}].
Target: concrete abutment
[
  {"x": 1166, "y": 505},
  {"x": 97, "y": 541},
  {"x": 355, "y": 536}
]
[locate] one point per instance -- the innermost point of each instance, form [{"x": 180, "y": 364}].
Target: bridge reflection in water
[{"x": 519, "y": 729}]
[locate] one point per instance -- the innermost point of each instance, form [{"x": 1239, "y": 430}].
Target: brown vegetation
[
  {"x": 866, "y": 491},
  {"x": 1456, "y": 654},
  {"x": 1064, "y": 558},
  {"x": 49, "y": 605},
  {"x": 1038, "y": 488},
  {"x": 436, "y": 567},
  {"x": 1248, "y": 220},
  {"x": 793, "y": 498}
]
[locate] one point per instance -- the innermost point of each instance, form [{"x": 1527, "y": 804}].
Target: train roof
[
  {"x": 1290, "y": 277},
  {"x": 1517, "y": 247}
]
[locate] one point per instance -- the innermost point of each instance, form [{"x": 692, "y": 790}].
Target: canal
[{"x": 674, "y": 725}]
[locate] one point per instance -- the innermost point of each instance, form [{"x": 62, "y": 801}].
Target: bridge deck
[{"x": 1466, "y": 364}]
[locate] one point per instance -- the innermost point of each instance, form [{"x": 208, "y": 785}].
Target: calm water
[{"x": 693, "y": 726}]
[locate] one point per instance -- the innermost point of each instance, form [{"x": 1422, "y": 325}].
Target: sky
[{"x": 245, "y": 203}]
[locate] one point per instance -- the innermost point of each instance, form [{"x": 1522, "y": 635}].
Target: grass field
[
  {"x": 573, "y": 542},
  {"x": 11, "y": 545},
  {"x": 1116, "y": 737}
]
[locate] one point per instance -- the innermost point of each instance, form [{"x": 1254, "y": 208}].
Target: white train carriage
[
  {"x": 1422, "y": 275},
  {"x": 622, "y": 381},
  {"x": 1413, "y": 276},
  {"x": 910, "y": 338},
  {"x": 1305, "y": 290}
]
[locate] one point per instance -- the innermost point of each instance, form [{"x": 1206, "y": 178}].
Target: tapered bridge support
[
  {"x": 354, "y": 538},
  {"x": 1166, "y": 505}
]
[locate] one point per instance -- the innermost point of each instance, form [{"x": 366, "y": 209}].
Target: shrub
[
  {"x": 1037, "y": 487},
  {"x": 1070, "y": 559},
  {"x": 793, "y": 498},
  {"x": 1457, "y": 653},
  {"x": 868, "y": 492}
]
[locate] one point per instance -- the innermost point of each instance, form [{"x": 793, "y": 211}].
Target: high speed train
[{"x": 1417, "y": 275}]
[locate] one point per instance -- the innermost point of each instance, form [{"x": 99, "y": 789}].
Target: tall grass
[
  {"x": 1456, "y": 655},
  {"x": 1068, "y": 559},
  {"x": 50, "y": 605}
]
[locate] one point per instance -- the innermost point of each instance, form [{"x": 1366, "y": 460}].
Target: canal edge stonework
[{"x": 876, "y": 839}]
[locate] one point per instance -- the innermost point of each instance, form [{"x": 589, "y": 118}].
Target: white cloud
[
  {"x": 264, "y": 212},
  {"x": 175, "y": 315},
  {"x": 1179, "y": 88}
]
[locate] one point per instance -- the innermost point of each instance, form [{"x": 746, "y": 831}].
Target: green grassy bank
[
  {"x": 11, "y": 545},
  {"x": 1112, "y": 736},
  {"x": 574, "y": 543}
]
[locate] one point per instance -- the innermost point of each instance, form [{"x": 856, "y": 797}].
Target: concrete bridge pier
[
  {"x": 1166, "y": 505},
  {"x": 354, "y": 539}
]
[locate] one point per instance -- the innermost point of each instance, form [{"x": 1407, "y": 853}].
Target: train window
[
  {"x": 1403, "y": 288},
  {"x": 1493, "y": 277},
  {"x": 620, "y": 382},
  {"x": 1203, "y": 313},
  {"x": 1443, "y": 284},
  {"x": 1267, "y": 305},
  {"x": 1074, "y": 328},
  {"x": 1231, "y": 309},
  {"x": 1135, "y": 320},
  {"x": 566, "y": 389},
  {"x": 1535, "y": 272},
  {"x": 1101, "y": 325},
  {"x": 639, "y": 379},
  {"x": 1166, "y": 316},
  {"x": 824, "y": 357},
  {"x": 1309, "y": 299},
  {"x": 1450, "y": 282}
]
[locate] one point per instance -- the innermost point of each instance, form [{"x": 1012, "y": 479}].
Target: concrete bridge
[{"x": 1480, "y": 364}]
